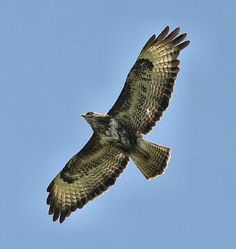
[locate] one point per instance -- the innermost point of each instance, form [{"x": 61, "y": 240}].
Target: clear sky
[{"x": 59, "y": 59}]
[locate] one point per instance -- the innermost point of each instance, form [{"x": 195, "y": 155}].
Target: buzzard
[{"x": 117, "y": 135}]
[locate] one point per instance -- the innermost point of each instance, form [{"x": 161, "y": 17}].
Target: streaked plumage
[{"x": 117, "y": 135}]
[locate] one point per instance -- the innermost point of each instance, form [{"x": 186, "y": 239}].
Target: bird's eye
[{"x": 89, "y": 113}]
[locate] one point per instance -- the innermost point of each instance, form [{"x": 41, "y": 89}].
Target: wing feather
[
  {"x": 149, "y": 84},
  {"x": 87, "y": 174}
]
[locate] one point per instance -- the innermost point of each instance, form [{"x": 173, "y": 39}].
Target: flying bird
[{"x": 118, "y": 134}]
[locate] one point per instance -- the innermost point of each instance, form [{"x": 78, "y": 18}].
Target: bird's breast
[{"x": 117, "y": 134}]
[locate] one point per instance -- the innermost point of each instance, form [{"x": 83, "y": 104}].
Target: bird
[{"x": 118, "y": 134}]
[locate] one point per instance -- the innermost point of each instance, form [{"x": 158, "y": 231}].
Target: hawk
[{"x": 117, "y": 135}]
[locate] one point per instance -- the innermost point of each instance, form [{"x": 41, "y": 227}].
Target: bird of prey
[{"x": 117, "y": 135}]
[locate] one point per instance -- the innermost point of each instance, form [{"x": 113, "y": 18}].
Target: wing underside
[
  {"x": 150, "y": 82},
  {"x": 88, "y": 174}
]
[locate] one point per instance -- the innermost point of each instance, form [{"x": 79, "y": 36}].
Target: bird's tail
[{"x": 151, "y": 159}]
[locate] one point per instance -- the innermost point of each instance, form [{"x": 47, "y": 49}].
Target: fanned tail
[{"x": 151, "y": 159}]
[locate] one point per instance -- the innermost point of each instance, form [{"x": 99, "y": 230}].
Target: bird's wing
[
  {"x": 148, "y": 87},
  {"x": 85, "y": 176}
]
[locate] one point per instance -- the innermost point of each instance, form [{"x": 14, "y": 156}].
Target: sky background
[{"x": 59, "y": 59}]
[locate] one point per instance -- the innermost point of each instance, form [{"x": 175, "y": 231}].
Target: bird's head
[
  {"x": 96, "y": 120},
  {"x": 92, "y": 115}
]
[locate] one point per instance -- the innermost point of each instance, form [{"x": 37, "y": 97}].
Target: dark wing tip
[
  {"x": 163, "y": 34},
  {"x": 178, "y": 28},
  {"x": 50, "y": 186},
  {"x": 65, "y": 213},
  {"x": 183, "y": 45},
  {"x": 172, "y": 35},
  {"x": 49, "y": 199},
  {"x": 165, "y": 37},
  {"x": 51, "y": 210},
  {"x": 166, "y": 29},
  {"x": 178, "y": 39},
  {"x": 149, "y": 42},
  {"x": 62, "y": 218},
  {"x": 56, "y": 215}
]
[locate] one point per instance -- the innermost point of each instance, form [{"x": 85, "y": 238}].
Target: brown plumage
[
  {"x": 117, "y": 135},
  {"x": 150, "y": 82}
]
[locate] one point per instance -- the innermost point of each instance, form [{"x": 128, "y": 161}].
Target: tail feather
[{"x": 151, "y": 159}]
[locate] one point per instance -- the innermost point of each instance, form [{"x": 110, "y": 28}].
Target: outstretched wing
[
  {"x": 85, "y": 176},
  {"x": 150, "y": 82}
]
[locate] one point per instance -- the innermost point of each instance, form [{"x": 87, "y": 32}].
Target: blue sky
[{"x": 59, "y": 59}]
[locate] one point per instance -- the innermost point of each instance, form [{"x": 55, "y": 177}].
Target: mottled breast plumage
[{"x": 118, "y": 134}]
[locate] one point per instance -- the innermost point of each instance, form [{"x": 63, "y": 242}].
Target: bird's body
[
  {"x": 117, "y": 135},
  {"x": 112, "y": 131}
]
